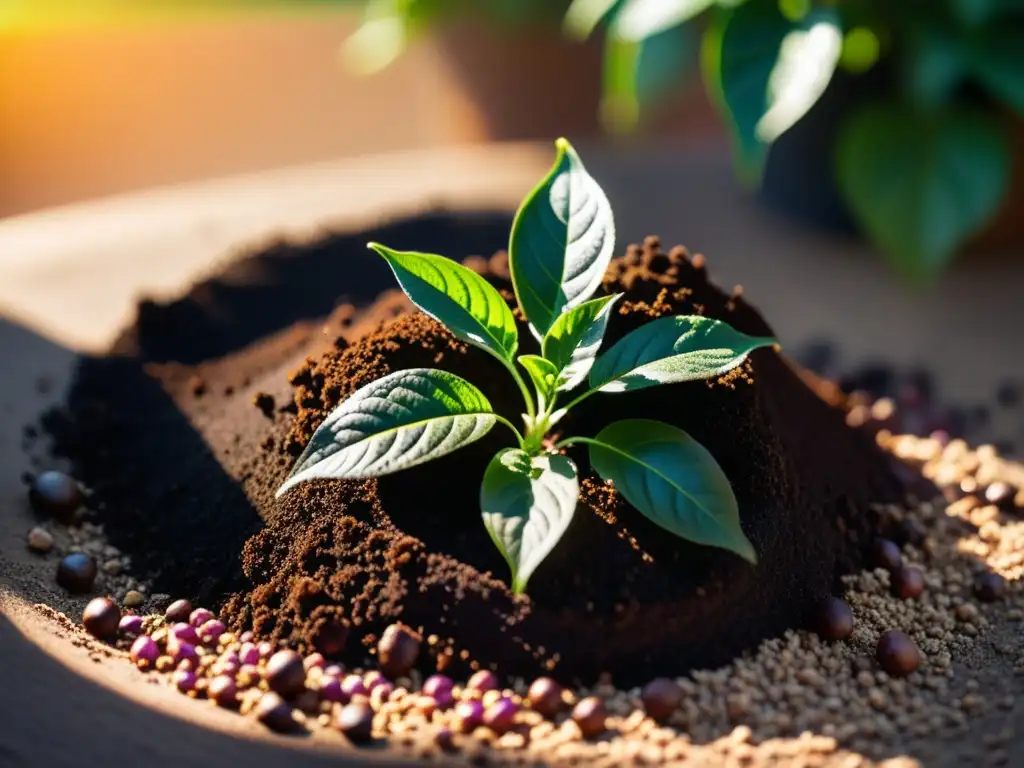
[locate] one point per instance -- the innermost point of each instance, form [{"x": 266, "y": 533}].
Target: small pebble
[
  {"x": 989, "y": 587},
  {"x": 200, "y": 616},
  {"x": 222, "y": 691},
  {"x": 56, "y": 495},
  {"x": 40, "y": 540},
  {"x": 885, "y": 554},
  {"x": 483, "y": 681},
  {"x": 897, "y": 654},
  {"x": 133, "y": 598},
  {"x": 908, "y": 583},
  {"x": 397, "y": 651},
  {"x": 76, "y": 572},
  {"x": 590, "y": 714},
  {"x": 275, "y": 713},
  {"x": 144, "y": 651},
  {"x": 285, "y": 674},
  {"x": 545, "y": 697},
  {"x": 178, "y": 611},
  {"x": 101, "y": 618},
  {"x": 130, "y": 625},
  {"x": 661, "y": 697},
  {"x": 355, "y": 721},
  {"x": 833, "y": 619}
]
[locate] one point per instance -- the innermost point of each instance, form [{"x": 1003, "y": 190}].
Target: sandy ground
[{"x": 68, "y": 279}]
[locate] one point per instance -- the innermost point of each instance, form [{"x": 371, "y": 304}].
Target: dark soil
[{"x": 184, "y": 455}]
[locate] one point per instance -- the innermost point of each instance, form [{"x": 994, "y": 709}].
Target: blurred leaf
[
  {"x": 920, "y": 184},
  {"x": 638, "y": 20},
  {"x": 931, "y": 64},
  {"x": 795, "y": 10},
  {"x": 766, "y": 72},
  {"x": 620, "y": 101},
  {"x": 861, "y": 48},
  {"x": 583, "y": 17},
  {"x": 971, "y": 13},
  {"x": 996, "y": 58}
]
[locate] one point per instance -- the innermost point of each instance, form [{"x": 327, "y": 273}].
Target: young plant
[{"x": 561, "y": 242}]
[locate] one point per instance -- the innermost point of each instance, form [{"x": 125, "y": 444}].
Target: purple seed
[
  {"x": 443, "y": 699},
  {"x": 352, "y": 685},
  {"x": 185, "y": 633},
  {"x": 200, "y": 616},
  {"x": 436, "y": 684},
  {"x": 144, "y": 651},
  {"x": 330, "y": 689},
  {"x": 222, "y": 690},
  {"x": 372, "y": 679},
  {"x": 212, "y": 630},
  {"x": 483, "y": 681},
  {"x": 285, "y": 674},
  {"x": 184, "y": 680},
  {"x": 230, "y": 657},
  {"x": 130, "y": 625},
  {"x": 469, "y": 715},
  {"x": 180, "y": 651},
  {"x": 249, "y": 654},
  {"x": 334, "y": 670},
  {"x": 266, "y": 649},
  {"x": 501, "y": 715},
  {"x": 246, "y": 637}
]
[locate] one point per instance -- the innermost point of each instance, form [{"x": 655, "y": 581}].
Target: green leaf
[
  {"x": 766, "y": 72},
  {"x": 972, "y": 13},
  {"x": 562, "y": 240},
  {"x": 543, "y": 374},
  {"x": 526, "y": 512},
  {"x": 673, "y": 481},
  {"x": 583, "y": 16},
  {"x": 573, "y": 342},
  {"x": 399, "y": 421},
  {"x": 638, "y": 20},
  {"x": 456, "y": 296},
  {"x": 920, "y": 184},
  {"x": 996, "y": 59},
  {"x": 931, "y": 64},
  {"x": 672, "y": 349}
]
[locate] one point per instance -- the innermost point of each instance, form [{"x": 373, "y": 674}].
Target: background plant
[
  {"x": 922, "y": 166},
  {"x": 560, "y": 245}
]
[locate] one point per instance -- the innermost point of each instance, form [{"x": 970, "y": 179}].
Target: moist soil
[{"x": 185, "y": 431}]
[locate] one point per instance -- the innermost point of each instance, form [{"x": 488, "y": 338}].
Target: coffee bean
[
  {"x": 908, "y": 583},
  {"x": 833, "y": 619},
  {"x": 590, "y": 714},
  {"x": 885, "y": 554},
  {"x": 285, "y": 674},
  {"x": 76, "y": 572},
  {"x": 545, "y": 697},
  {"x": 275, "y": 713},
  {"x": 897, "y": 654},
  {"x": 178, "y": 611},
  {"x": 989, "y": 587},
  {"x": 56, "y": 495},
  {"x": 661, "y": 697},
  {"x": 331, "y": 638},
  {"x": 101, "y": 618},
  {"x": 397, "y": 651},
  {"x": 355, "y": 721}
]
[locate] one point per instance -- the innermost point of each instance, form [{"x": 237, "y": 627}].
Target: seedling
[{"x": 560, "y": 246}]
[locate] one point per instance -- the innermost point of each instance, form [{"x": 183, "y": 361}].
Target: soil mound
[{"x": 183, "y": 460}]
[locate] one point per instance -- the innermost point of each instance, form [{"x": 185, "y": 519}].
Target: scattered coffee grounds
[{"x": 185, "y": 486}]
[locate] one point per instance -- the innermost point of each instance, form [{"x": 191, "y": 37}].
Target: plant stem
[
  {"x": 573, "y": 403},
  {"x": 510, "y": 425},
  {"x": 573, "y": 440},
  {"x": 530, "y": 408}
]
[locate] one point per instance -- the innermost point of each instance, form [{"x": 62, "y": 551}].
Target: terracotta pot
[{"x": 532, "y": 83}]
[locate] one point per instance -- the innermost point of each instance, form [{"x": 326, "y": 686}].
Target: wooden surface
[{"x": 68, "y": 279}]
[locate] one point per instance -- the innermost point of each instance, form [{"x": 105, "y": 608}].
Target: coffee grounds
[{"x": 184, "y": 482}]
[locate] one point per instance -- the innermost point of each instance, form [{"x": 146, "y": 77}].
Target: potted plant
[{"x": 895, "y": 118}]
